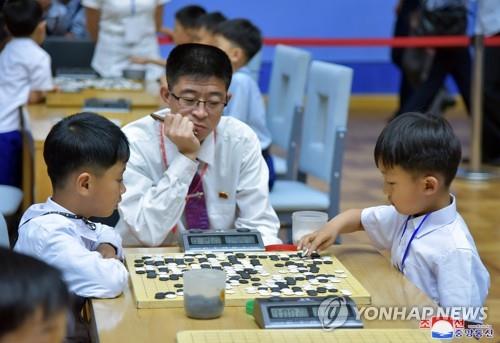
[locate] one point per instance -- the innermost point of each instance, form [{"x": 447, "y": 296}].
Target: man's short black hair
[
  {"x": 26, "y": 285},
  {"x": 188, "y": 16},
  {"x": 22, "y": 16},
  {"x": 199, "y": 61},
  {"x": 242, "y": 33},
  {"x": 210, "y": 21},
  {"x": 83, "y": 140},
  {"x": 419, "y": 143}
]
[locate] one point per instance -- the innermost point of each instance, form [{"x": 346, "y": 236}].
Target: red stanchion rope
[{"x": 397, "y": 42}]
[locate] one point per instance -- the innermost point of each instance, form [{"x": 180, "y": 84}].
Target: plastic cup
[
  {"x": 305, "y": 222},
  {"x": 204, "y": 293}
]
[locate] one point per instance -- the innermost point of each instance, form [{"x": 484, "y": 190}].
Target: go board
[
  {"x": 157, "y": 279},
  {"x": 316, "y": 336}
]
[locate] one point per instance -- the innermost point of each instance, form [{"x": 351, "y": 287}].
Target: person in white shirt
[
  {"x": 166, "y": 157},
  {"x": 418, "y": 156},
  {"x": 25, "y": 77},
  {"x": 241, "y": 40},
  {"x": 85, "y": 155},
  {"x": 122, "y": 29}
]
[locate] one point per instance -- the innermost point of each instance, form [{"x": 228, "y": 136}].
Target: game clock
[
  {"x": 241, "y": 239},
  {"x": 298, "y": 313}
]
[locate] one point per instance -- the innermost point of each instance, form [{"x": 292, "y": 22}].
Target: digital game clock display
[
  {"x": 301, "y": 313},
  {"x": 241, "y": 239}
]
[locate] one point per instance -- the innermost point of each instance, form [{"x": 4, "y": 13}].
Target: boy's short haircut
[
  {"x": 83, "y": 140},
  {"x": 419, "y": 143},
  {"x": 27, "y": 285},
  {"x": 199, "y": 61},
  {"x": 211, "y": 20},
  {"x": 242, "y": 33},
  {"x": 22, "y": 16},
  {"x": 188, "y": 16}
]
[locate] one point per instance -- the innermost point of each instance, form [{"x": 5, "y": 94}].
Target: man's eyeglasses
[{"x": 190, "y": 103}]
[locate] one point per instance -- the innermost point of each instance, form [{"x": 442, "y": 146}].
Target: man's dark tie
[{"x": 195, "y": 210}]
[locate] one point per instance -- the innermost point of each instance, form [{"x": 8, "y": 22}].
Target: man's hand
[
  {"x": 107, "y": 250},
  {"x": 179, "y": 130}
]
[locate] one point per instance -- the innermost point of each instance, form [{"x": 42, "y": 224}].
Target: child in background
[
  {"x": 185, "y": 31},
  {"x": 25, "y": 77},
  {"x": 207, "y": 25},
  {"x": 86, "y": 156},
  {"x": 241, "y": 40},
  {"x": 418, "y": 156},
  {"x": 33, "y": 300},
  {"x": 186, "y": 24}
]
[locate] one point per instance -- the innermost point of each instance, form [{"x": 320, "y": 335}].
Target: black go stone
[
  {"x": 140, "y": 272},
  {"x": 160, "y": 295},
  {"x": 312, "y": 293}
]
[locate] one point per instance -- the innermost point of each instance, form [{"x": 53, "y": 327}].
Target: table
[
  {"x": 118, "y": 320},
  {"x": 149, "y": 97}
]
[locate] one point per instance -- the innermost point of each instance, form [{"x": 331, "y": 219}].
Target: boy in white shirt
[
  {"x": 25, "y": 76},
  {"x": 241, "y": 40},
  {"x": 85, "y": 156},
  {"x": 418, "y": 156}
]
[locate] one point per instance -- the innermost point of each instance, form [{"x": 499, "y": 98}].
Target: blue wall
[{"x": 318, "y": 19}]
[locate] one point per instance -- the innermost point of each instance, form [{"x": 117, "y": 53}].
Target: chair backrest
[
  {"x": 4, "y": 233},
  {"x": 286, "y": 91},
  {"x": 69, "y": 53},
  {"x": 326, "y": 110},
  {"x": 254, "y": 65}
]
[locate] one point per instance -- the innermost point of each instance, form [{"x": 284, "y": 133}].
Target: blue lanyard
[{"x": 407, "y": 250}]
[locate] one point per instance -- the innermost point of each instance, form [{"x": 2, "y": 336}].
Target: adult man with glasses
[{"x": 189, "y": 168}]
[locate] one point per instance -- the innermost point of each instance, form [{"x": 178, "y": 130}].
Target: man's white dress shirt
[{"x": 235, "y": 184}]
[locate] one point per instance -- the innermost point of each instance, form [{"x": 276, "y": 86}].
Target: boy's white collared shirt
[
  {"x": 247, "y": 105},
  {"x": 442, "y": 261},
  {"x": 235, "y": 184},
  {"x": 70, "y": 245}
]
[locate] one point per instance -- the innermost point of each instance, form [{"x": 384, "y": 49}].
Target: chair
[
  {"x": 322, "y": 145},
  {"x": 4, "y": 233},
  {"x": 70, "y": 56},
  {"x": 10, "y": 199},
  {"x": 286, "y": 92}
]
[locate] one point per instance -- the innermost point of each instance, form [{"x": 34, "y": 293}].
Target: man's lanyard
[
  {"x": 91, "y": 225},
  {"x": 407, "y": 250}
]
